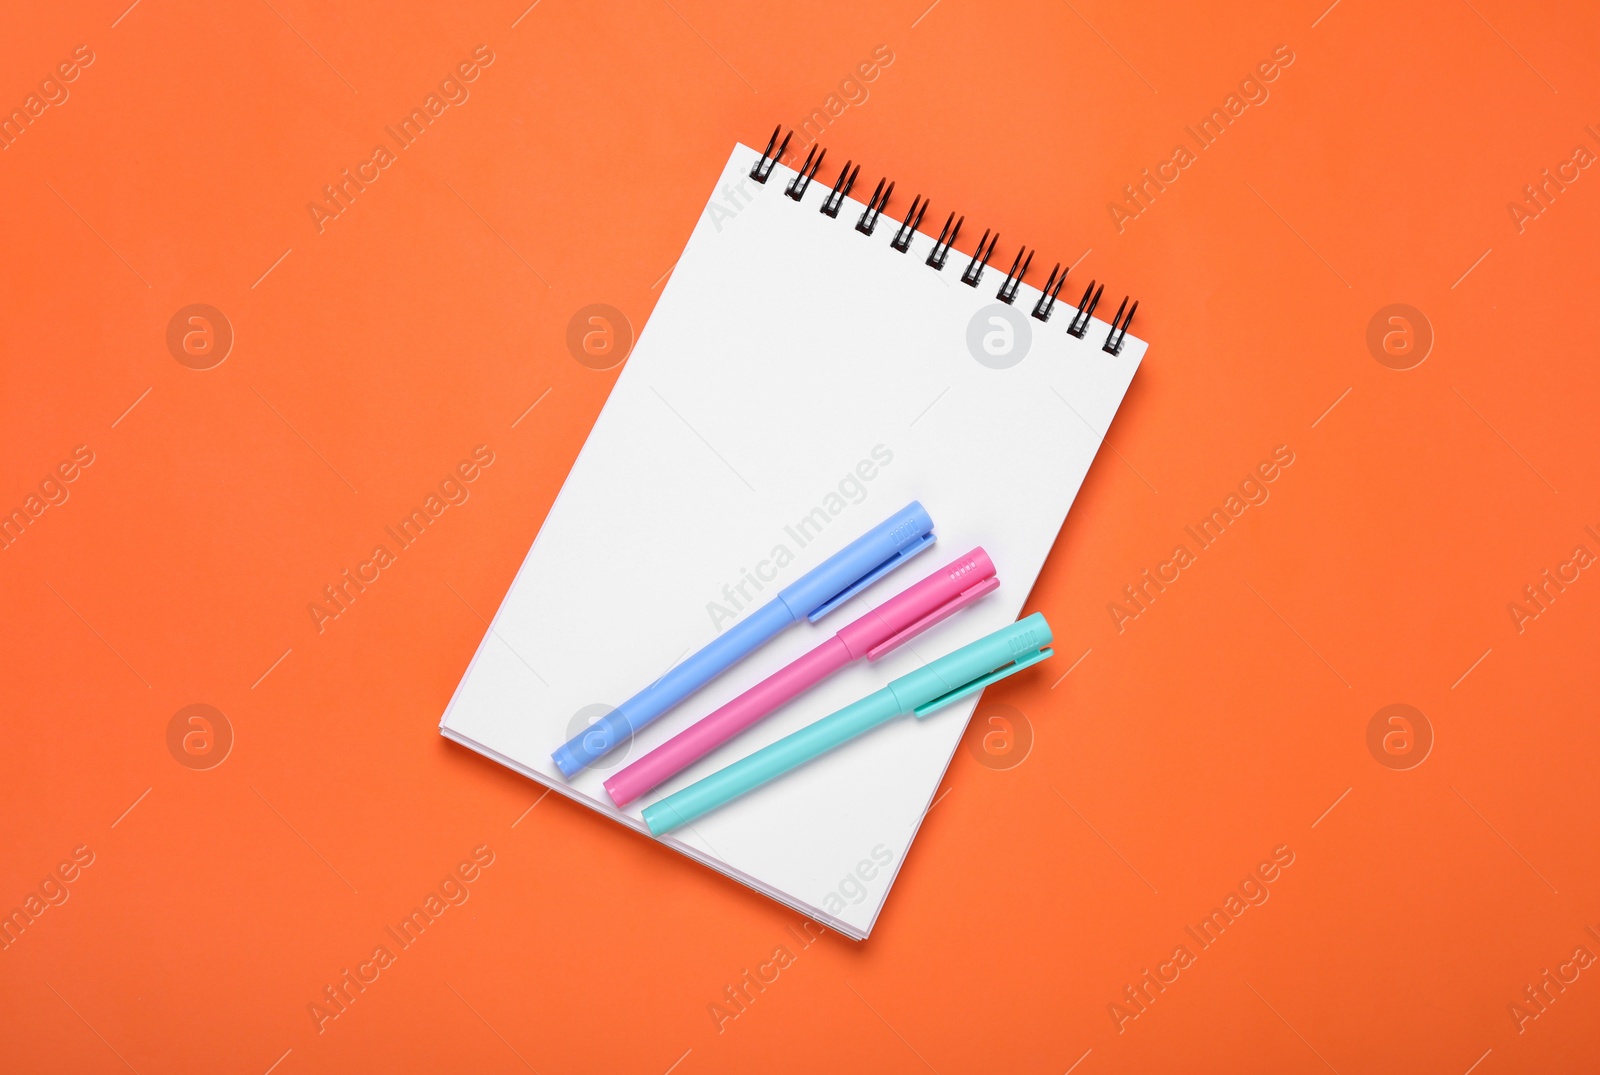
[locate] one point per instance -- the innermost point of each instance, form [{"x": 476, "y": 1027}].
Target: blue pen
[
  {"x": 934, "y": 686},
  {"x": 817, "y": 593}
]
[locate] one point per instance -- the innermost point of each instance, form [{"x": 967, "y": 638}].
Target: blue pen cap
[
  {"x": 973, "y": 667},
  {"x": 860, "y": 563}
]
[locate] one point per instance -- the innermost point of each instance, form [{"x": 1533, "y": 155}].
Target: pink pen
[{"x": 897, "y": 620}]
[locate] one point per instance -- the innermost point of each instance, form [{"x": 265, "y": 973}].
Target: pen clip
[
  {"x": 872, "y": 576},
  {"x": 955, "y": 604},
  {"x": 982, "y": 682}
]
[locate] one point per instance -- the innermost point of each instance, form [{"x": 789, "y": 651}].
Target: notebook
[{"x": 808, "y": 370}]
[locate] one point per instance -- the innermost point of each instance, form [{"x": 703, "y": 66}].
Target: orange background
[{"x": 1228, "y": 719}]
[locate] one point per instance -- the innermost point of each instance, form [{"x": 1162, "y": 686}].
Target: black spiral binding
[
  {"x": 1008, "y": 290},
  {"x": 913, "y": 221},
  {"x": 980, "y": 260},
  {"x": 808, "y": 171},
  {"x": 841, "y": 189},
  {"x": 763, "y": 167},
  {"x": 1080, "y": 320},
  {"x": 946, "y": 241},
  {"x": 1114, "y": 338},
  {"x": 941, "y": 248},
  {"x": 1047, "y": 296},
  {"x": 869, "y": 216}
]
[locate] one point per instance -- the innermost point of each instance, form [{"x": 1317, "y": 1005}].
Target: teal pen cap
[
  {"x": 973, "y": 667},
  {"x": 948, "y": 679}
]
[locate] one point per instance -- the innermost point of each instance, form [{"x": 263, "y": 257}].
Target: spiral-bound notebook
[{"x": 814, "y": 363}]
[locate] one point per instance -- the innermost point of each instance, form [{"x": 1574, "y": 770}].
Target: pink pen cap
[
  {"x": 906, "y": 615},
  {"x": 896, "y": 621}
]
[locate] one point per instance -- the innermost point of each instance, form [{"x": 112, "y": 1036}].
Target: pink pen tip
[{"x": 618, "y": 790}]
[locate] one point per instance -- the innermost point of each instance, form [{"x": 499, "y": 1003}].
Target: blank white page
[{"x": 793, "y": 369}]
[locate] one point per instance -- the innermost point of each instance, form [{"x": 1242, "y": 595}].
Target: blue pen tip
[{"x": 568, "y": 762}]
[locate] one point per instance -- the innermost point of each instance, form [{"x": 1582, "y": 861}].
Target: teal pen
[{"x": 948, "y": 679}]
